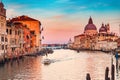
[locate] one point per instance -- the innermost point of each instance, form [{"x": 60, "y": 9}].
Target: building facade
[
  {"x": 15, "y": 38},
  {"x": 24, "y": 34},
  {"x": 34, "y": 25},
  {"x": 20, "y": 37},
  {"x": 3, "y": 34},
  {"x": 93, "y": 40}
]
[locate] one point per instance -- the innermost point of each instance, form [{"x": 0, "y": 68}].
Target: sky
[{"x": 64, "y": 19}]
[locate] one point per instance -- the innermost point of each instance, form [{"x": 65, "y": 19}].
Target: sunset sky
[{"x": 63, "y": 19}]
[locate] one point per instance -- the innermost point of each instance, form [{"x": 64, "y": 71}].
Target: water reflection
[
  {"x": 66, "y": 65},
  {"x": 118, "y": 69},
  {"x": 96, "y": 64},
  {"x": 74, "y": 66},
  {"x": 24, "y": 69}
]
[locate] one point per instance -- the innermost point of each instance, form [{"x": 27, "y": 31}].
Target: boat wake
[{"x": 61, "y": 60}]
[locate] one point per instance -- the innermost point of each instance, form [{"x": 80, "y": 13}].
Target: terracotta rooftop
[{"x": 23, "y": 18}]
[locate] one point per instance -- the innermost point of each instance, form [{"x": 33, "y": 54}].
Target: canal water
[{"x": 66, "y": 65}]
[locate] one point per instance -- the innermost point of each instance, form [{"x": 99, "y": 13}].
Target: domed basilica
[
  {"x": 90, "y": 28},
  {"x": 95, "y": 40}
]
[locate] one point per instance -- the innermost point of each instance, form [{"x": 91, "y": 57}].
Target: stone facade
[
  {"x": 106, "y": 45},
  {"x": 20, "y": 37},
  {"x": 93, "y": 40},
  {"x": 15, "y": 38},
  {"x": 33, "y": 24},
  {"x": 3, "y": 34}
]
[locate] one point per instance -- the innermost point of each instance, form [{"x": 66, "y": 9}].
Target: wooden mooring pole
[
  {"x": 113, "y": 72},
  {"x": 88, "y": 76},
  {"x": 106, "y": 74}
]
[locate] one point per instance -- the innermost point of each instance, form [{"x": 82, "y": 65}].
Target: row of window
[
  {"x": 2, "y": 47},
  {"x": 4, "y": 39},
  {"x": 9, "y": 31}
]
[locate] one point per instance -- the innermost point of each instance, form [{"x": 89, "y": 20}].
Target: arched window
[
  {"x": 10, "y": 31},
  {"x": 7, "y": 31},
  {"x": 2, "y": 39},
  {"x": 6, "y": 40},
  {"x": 2, "y": 47}
]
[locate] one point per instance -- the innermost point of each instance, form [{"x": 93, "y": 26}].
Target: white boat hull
[{"x": 47, "y": 61}]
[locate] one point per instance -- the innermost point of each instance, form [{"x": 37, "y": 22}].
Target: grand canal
[{"x": 66, "y": 65}]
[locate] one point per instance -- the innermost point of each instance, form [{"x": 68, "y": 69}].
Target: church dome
[
  {"x": 90, "y": 25},
  {"x": 102, "y": 29}
]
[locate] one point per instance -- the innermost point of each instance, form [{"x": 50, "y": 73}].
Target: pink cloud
[{"x": 59, "y": 31}]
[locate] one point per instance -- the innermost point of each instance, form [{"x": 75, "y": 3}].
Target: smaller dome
[
  {"x": 102, "y": 29},
  {"x": 1, "y": 4}
]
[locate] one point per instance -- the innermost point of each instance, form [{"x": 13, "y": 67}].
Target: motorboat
[{"x": 47, "y": 61}]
